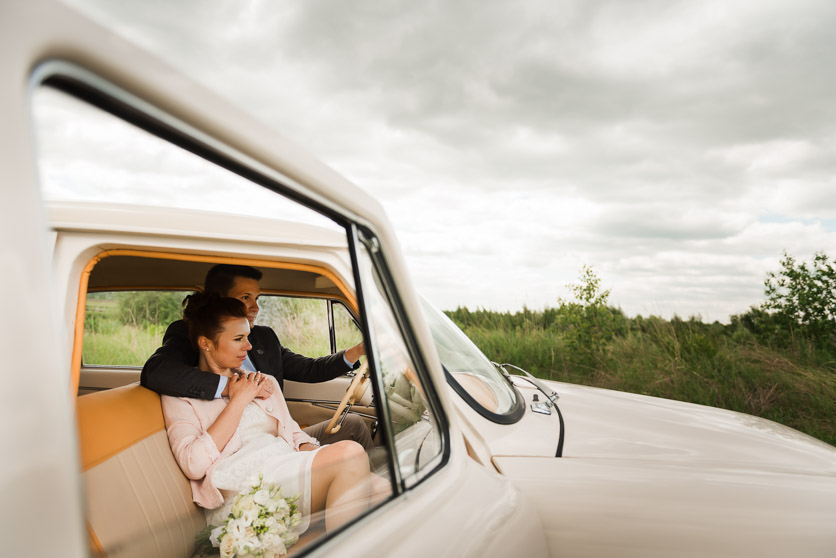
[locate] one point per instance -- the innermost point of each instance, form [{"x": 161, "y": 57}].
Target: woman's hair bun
[
  {"x": 196, "y": 301},
  {"x": 205, "y": 313}
]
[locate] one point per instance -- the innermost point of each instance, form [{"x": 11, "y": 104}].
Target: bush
[
  {"x": 587, "y": 323},
  {"x": 144, "y": 308},
  {"x": 802, "y": 297}
]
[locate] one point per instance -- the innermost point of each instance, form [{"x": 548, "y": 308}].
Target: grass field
[
  {"x": 116, "y": 333},
  {"x": 710, "y": 364}
]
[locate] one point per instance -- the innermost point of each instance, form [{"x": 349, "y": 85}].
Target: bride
[{"x": 223, "y": 445}]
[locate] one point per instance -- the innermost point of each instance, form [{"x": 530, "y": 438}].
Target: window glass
[
  {"x": 300, "y": 323},
  {"x": 86, "y": 154},
  {"x": 124, "y": 328},
  {"x": 469, "y": 368},
  {"x": 346, "y": 329},
  {"x": 414, "y": 425}
]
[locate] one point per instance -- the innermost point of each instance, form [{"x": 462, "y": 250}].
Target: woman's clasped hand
[{"x": 244, "y": 386}]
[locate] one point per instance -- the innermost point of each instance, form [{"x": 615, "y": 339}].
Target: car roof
[{"x": 69, "y": 216}]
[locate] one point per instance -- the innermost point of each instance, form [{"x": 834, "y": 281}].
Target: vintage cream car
[{"x": 482, "y": 459}]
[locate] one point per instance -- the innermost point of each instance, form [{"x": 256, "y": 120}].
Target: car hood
[
  {"x": 605, "y": 424},
  {"x": 609, "y": 424},
  {"x": 654, "y": 478}
]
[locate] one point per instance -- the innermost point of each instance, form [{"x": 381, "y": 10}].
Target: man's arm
[
  {"x": 300, "y": 368},
  {"x": 353, "y": 354},
  {"x": 172, "y": 369}
]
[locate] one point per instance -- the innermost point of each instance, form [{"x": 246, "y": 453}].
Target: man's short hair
[{"x": 221, "y": 278}]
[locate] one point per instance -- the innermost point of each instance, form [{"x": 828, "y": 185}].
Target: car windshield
[{"x": 469, "y": 370}]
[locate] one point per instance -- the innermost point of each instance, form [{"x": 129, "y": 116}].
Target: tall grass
[
  {"x": 124, "y": 329},
  {"x": 710, "y": 364}
]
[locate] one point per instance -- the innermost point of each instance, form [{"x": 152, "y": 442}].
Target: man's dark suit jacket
[{"x": 172, "y": 369}]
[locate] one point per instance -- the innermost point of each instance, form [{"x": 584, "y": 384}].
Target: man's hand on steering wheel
[
  {"x": 356, "y": 389},
  {"x": 354, "y": 353}
]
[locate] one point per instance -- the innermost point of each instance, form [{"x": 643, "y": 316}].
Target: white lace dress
[{"x": 262, "y": 451}]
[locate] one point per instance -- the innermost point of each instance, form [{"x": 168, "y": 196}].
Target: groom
[{"x": 172, "y": 369}]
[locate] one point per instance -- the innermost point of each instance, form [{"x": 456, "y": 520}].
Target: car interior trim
[
  {"x": 105, "y": 433},
  {"x": 93, "y": 542}
]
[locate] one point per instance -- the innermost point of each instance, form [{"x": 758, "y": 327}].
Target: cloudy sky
[{"x": 677, "y": 147}]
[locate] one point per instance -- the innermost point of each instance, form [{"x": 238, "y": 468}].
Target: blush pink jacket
[{"x": 187, "y": 421}]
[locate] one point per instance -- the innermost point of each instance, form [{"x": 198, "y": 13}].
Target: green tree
[
  {"x": 588, "y": 323},
  {"x": 144, "y": 308},
  {"x": 802, "y": 296}
]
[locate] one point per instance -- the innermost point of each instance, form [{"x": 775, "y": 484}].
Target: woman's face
[{"x": 230, "y": 348}]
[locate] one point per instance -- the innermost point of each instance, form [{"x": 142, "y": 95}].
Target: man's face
[{"x": 246, "y": 290}]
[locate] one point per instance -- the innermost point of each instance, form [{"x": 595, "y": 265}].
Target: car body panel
[
  {"x": 622, "y": 507},
  {"x": 534, "y": 435},
  {"x": 39, "y": 483},
  {"x": 644, "y": 476},
  {"x": 617, "y": 425}
]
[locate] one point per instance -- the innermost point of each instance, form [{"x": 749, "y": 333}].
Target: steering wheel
[{"x": 355, "y": 391}]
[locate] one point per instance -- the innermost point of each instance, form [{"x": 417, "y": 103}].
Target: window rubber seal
[{"x": 511, "y": 417}]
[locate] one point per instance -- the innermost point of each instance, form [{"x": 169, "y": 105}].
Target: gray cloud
[{"x": 676, "y": 146}]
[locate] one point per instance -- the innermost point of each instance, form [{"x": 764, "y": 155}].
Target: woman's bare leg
[{"x": 340, "y": 482}]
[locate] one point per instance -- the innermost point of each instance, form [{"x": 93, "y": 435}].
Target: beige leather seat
[{"x": 138, "y": 502}]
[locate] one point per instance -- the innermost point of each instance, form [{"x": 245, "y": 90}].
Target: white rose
[
  {"x": 282, "y": 507},
  {"x": 246, "y": 502},
  {"x": 274, "y": 544},
  {"x": 236, "y": 528},
  {"x": 261, "y": 497},
  {"x": 214, "y": 535},
  {"x": 251, "y": 543},
  {"x": 227, "y": 548},
  {"x": 279, "y": 528},
  {"x": 249, "y": 516}
]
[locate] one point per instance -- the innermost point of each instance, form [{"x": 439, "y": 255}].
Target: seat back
[{"x": 138, "y": 502}]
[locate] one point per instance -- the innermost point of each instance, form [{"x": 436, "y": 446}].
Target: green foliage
[
  {"x": 302, "y": 324},
  {"x": 120, "y": 344},
  {"x": 125, "y": 328},
  {"x": 587, "y": 323},
  {"x": 143, "y": 308},
  {"x": 756, "y": 365},
  {"x": 802, "y": 297}
]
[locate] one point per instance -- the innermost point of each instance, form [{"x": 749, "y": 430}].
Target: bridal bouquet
[{"x": 261, "y": 523}]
